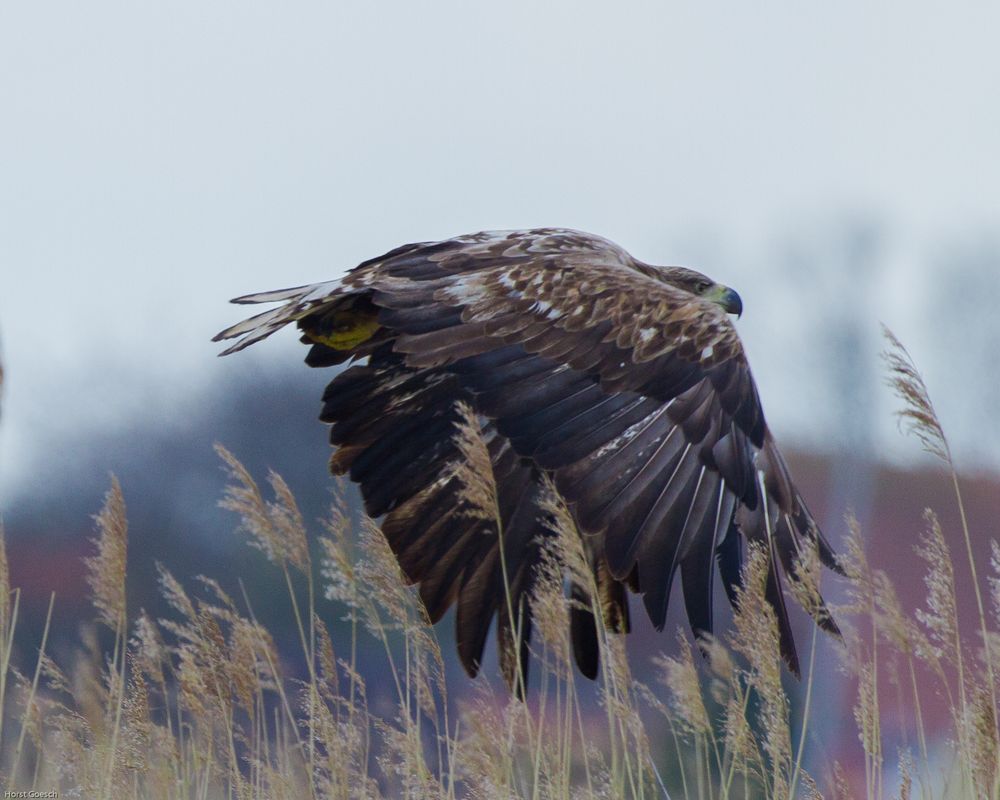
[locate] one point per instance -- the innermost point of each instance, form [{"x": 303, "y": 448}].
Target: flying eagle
[{"x": 622, "y": 384}]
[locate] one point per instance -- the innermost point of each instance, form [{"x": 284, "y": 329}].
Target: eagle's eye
[{"x": 702, "y": 286}]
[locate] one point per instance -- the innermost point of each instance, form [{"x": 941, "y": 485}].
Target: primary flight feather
[{"x": 622, "y": 384}]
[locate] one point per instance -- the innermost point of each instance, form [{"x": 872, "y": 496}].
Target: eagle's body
[{"x": 624, "y": 383}]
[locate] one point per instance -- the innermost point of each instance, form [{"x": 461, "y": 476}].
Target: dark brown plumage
[{"x": 624, "y": 382}]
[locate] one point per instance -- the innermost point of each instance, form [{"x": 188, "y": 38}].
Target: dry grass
[{"x": 201, "y": 705}]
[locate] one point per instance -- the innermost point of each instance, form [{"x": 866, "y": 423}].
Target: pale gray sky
[{"x": 159, "y": 158}]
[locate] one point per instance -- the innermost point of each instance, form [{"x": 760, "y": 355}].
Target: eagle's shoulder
[{"x": 533, "y": 248}]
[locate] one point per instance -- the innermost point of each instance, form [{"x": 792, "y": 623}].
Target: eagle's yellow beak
[{"x": 727, "y": 298}]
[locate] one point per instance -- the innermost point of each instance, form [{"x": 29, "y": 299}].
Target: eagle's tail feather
[
  {"x": 298, "y": 302},
  {"x": 275, "y": 296}
]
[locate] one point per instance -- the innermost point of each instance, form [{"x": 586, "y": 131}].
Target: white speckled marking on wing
[{"x": 632, "y": 431}]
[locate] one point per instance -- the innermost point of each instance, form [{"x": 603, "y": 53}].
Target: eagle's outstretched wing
[{"x": 616, "y": 378}]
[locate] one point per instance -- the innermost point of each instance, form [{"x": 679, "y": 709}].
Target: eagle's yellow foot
[{"x": 344, "y": 330}]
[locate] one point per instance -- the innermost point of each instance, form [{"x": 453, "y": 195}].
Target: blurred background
[{"x": 838, "y": 165}]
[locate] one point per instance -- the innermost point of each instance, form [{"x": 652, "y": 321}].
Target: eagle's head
[{"x": 695, "y": 282}]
